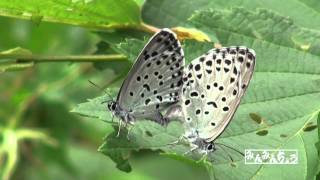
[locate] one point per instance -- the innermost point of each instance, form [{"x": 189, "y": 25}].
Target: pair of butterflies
[{"x": 205, "y": 94}]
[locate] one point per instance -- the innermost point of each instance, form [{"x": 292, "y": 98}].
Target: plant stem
[
  {"x": 149, "y": 28},
  {"x": 74, "y": 58}
]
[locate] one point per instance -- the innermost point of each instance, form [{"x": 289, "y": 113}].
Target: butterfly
[
  {"x": 153, "y": 83},
  {"x": 213, "y": 85}
]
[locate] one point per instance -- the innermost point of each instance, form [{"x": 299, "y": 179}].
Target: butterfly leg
[
  {"x": 120, "y": 123},
  {"x": 177, "y": 141},
  {"x": 193, "y": 148},
  {"x": 129, "y": 130},
  {"x": 112, "y": 118},
  {"x": 204, "y": 157}
]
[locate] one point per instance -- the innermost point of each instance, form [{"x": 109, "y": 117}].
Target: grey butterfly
[
  {"x": 153, "y": 83},
  {"x": 213, "y": 86}
]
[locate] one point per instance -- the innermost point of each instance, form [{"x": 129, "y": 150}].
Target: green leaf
[
  {"x": 15, "y": 53},
  {"x": 131, "y": 48},
  {"x": 95, "y": 108},
  {"x": 116, "y": 37},
  {"x": 139, "y": 2},
  {"x": 193, "y": 49},
  {"x": 318, "y": 146},
  {"x": 256, "y": 26},
  {"x": 89, "y": 13},
  {"x": 318, "y": 143},
  {"x": 172, "y": 13}
]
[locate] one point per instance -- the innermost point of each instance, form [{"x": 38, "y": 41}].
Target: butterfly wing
[
  {"x": 213, "y": 86},
  {"x": 155, "y": 80}
]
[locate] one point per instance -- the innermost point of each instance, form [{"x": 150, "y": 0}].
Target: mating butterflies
[
  {"x": 153, "y": 83},
  {"x": 213, "y": 86}
]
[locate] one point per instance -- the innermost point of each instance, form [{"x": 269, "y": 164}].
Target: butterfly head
[
  {"x": 205, "y": 147},
  {"x": 112, "y": 105},
  {"x": 210, "y": 147},
  {"x": 202, "y": 145}
]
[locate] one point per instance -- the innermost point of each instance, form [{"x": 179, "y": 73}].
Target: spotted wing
[
  {"x": 213, "y": 87},
  {"x": 155, "y": 80}
]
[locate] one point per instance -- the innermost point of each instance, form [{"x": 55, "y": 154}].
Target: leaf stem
[
  {"x": 74, "y": 58},
  {"x": 149, "y": 28}
]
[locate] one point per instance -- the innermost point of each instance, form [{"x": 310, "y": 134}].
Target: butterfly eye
[
  {"x": 112, "y": 106},
  {"x": 210, "y": 147}
]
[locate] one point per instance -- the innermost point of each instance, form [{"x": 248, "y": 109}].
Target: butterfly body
[
  {"x": 213, "y": 86},
  {"x": 153, "y": 83},
  {"x": 123, "y": 114}
]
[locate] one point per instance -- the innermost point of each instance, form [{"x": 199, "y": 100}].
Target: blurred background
[{"x": 39, "y": 137}]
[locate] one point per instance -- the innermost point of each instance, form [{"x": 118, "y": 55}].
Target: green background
[{"x": 41, "y": 139}]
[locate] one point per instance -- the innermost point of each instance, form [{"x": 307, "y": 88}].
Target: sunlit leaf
[
  {"x": 305, "y": 13},
  {"x": 89, "y": 13}
]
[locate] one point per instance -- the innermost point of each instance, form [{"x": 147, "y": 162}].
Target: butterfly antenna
[
  {"x": 101, "y": 89},
  {"x": 193, "y": 148},
  {"x": 179, "y": 140},
  {"x": 231, "y": 148},
  {"x": 230, "y": 157}
]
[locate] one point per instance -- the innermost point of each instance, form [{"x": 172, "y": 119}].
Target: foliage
[{"x": 279, "y": 111}]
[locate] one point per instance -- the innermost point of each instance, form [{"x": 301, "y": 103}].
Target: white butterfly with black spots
[
  {"x": 153, "y": 83},
  {"x": 213, "y": 86}
]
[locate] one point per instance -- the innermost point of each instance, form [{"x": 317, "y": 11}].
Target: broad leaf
[
  {"x": 172, "y": 13},
  {"x": 89, "y": 13}
]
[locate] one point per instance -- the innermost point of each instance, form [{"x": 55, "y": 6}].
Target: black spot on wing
[
  {"x": 146, "y": 86},
  {"x": 212, "y": 103},
  {"x": 209, "y": 63},
  {"x": 194, "y": 94},
  {"x": 197, "y": 67},
  {"x": 147, "y": 101}
]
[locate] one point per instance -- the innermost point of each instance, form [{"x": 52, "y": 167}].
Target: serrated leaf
[
  {"x": 89, "y": 13},
  {"x": 96, "y": 108},
  {"x": 120, "y": 156},
  {"x": 131, "y": 48},
  {"x": 169, "y": 13}
]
